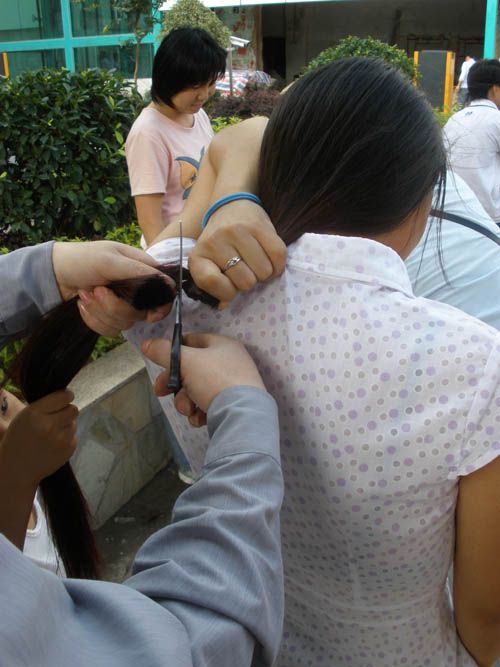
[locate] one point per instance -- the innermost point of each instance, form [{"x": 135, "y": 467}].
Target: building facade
[
  {"x": 284, "y": 36},
  {"x": 69, "y": 33}
]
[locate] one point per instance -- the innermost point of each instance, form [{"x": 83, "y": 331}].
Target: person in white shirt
[
  {"x": 461, "y": 88},
  {"x": 467, "y": 274},
  {"x": 472, "y": 137}
]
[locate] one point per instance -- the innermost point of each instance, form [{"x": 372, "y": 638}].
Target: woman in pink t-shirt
[{"x": 168, "y": 139}]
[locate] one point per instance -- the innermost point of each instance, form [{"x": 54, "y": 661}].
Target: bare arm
[
  {"x": 241, "y": 228},
  {"x": 230, "y": 165},
  {"x": 476, "y": 571},
  {"x": 148, "y": 209}
]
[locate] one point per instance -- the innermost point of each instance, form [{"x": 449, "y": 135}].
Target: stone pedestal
[{"x": 122, "y": 440}]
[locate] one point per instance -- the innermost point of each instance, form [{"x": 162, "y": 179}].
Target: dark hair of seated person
[{"x": 57, "y": 347}]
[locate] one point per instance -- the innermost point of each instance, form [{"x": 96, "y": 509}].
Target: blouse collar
[{"x": 351, "y": 257}]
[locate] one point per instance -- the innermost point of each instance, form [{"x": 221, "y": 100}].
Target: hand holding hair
[
  {"x": 209, "y": 364},
  {"x": 108, "y": 315},
  {"x": 80, "y": 266},
  {"x": 61, "y": 344},
  {"x": 239, "y": 229},
  {"x": 41, "y": 438},
  {"x": 37, "y": 442}
]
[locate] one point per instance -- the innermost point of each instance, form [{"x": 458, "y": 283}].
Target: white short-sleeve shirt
[
  {"x": 385, "y": 400},
  {"x": 472, "y": 138}
]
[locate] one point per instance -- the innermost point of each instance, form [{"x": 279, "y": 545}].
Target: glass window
[
  {"x": 22, "y": 61},
  {"x": 89, "y": 18},
  {"x": 30, "y": 19},
  {"x": 121, "y": 58}
]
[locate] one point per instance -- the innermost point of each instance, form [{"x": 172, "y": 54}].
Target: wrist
[
  {"x": 59, "y": 261},
  {"x": 228, "y": 199}
]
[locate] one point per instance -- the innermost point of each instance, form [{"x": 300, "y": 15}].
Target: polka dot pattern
[{"x": 385, "y": 400}]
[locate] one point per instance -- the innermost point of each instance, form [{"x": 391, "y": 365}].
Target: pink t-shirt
[{"x": 163, "y": 157}]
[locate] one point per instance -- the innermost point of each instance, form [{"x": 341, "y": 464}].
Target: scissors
[{"x": 174, "y": 380}]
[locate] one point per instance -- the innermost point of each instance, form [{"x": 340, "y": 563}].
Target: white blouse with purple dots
[{"x": 385, "y": 400}]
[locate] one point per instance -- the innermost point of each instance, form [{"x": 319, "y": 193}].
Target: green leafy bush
[
  {"x": 194, "y": 14},
  {"x": 368, "y": 47},
  {"x": 220, "y": 122},
  {"x": 62, "y": 164}
]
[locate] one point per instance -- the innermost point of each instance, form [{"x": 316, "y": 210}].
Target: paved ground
[{"x": 121, "y": 536}]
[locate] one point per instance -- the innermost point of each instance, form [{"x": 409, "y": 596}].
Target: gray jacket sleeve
[
  {"x": 28, "y": 289},
  {"x": 207, "y": 590}
]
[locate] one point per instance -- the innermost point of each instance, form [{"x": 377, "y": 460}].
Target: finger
[
  {"x": 132, "y": 262},
  {"x": 53, "y": 402},
  {"x": 183, "y": 404},
  {"x": 243, "y": 237},
  {"x": 65, "y": 417},
  {"x": 95, "y": 324},
  {"x": 241, "y": 275},
  {"x": 116, "y": 310},
  {"x": 157, "y": 350},
  {"x": 66, "y": 441},
  {"x": 158, "y": 314},
  {"x": 255, "y": 258},
  {"x": 110, "y": 312},
  {"x": 274, "y": 247},
  {"x": 201, "y": 340},
  {"x": 198, "y": 419},
  {"x": 240, "y": 240},
  {"x": 208, "y": 277},
  {"x": 160, "y": 385}
]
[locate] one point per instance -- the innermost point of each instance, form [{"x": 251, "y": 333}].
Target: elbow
[{"x": 481, "y": 637}]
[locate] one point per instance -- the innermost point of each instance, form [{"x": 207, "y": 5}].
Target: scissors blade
[{"x": 174, "y": 381}]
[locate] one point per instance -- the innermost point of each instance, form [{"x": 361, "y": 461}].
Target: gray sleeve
[
  {"x": 207, "y": 590},
  {"x": 28, "y": 289}
]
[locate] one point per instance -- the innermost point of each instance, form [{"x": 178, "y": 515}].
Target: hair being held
[
  {"x": 353, "y": 148},
  {"x": 58, "y": 346}
]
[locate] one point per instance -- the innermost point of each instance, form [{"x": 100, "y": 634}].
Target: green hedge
[
  {"x": 62, "y": 164},
  {"x": 368, "y": 47}
]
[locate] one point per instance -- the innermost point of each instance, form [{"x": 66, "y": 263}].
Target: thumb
[
  {"x": 53, "y": 402},
  {"x": 158, "y": 351}
]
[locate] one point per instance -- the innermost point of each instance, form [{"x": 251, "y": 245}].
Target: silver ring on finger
[{"x": 230, "y": 263}]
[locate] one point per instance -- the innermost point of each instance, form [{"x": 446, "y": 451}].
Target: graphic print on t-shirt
[{"x": 189, "y": 171}]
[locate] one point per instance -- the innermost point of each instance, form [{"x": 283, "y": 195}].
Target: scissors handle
[{"x": 174, "y": 380}]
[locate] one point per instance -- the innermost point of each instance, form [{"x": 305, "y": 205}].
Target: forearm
[
  {"x": 230, "y": 165},
  {"x": 235, "y": 157},
  {"x": 225, "y": 537},
  {"x": 148, "y": 208},
  {"x": 29, "y": 289},
  {"x": 481, "y": 638}
]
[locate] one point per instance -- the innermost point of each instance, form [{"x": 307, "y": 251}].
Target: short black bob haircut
[
  {"x": 482, "y": 76},
  {"x": 186, "y": 57}
]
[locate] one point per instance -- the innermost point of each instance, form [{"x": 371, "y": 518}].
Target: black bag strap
[{"x": 465, "y": 222}]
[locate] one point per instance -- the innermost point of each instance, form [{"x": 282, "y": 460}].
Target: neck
[
  {"x": 406, "y": 236},
  {"x": 184, "y": 119}
]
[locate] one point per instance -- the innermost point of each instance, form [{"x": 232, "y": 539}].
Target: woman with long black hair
[{"x": 388, "y": 402}]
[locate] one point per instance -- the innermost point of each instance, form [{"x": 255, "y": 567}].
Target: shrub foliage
[
  {"x": 368, "y": 47},
  {"x": 62, "y": 164},
  {"x": 194, "y": 14}
]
